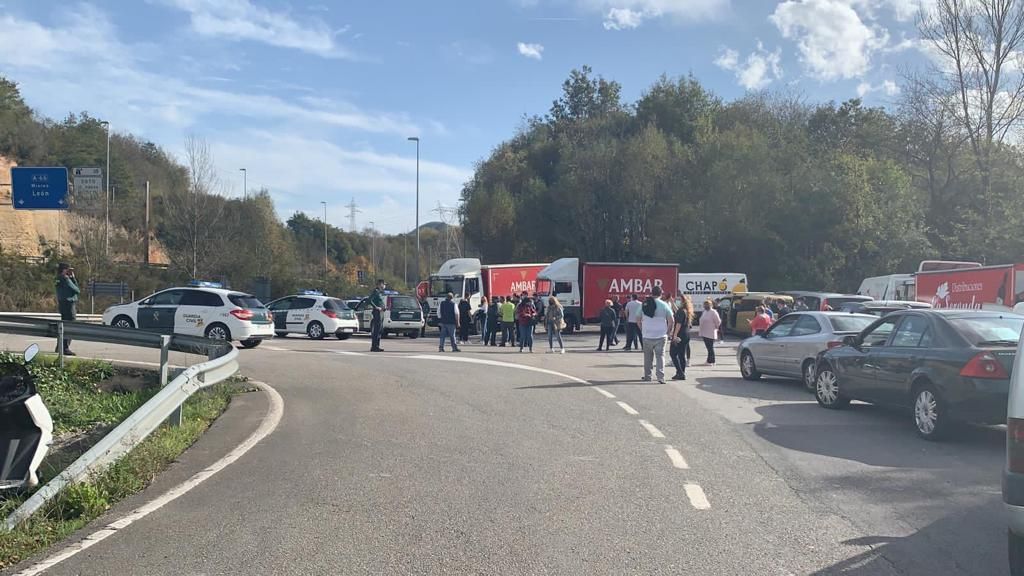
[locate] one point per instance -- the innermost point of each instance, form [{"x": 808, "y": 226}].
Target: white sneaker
[{"x": 562, "y": 351}]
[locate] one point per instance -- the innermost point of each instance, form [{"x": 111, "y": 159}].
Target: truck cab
[
  {"x": 458, "y": 276},
  {"x": 562, "y": 278}
]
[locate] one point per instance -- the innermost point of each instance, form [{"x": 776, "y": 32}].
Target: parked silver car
[{"x": 789, "y": 348}]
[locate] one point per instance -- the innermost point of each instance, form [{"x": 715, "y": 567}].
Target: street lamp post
[
  {"x": 106, "y": 195},
  {"x": 245, "y": 184},
  {"x": 416, "y": 268},
  {"x": 325, "y": 245}
]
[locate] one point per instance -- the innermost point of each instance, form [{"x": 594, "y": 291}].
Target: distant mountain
[{"x": 439, "y": 226}]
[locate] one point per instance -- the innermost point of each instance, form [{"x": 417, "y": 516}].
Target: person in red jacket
[
  {"x": 760, "y": 323},
  {"x": 525, "y": 314}
]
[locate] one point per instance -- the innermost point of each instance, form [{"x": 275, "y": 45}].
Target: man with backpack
[{"x": 655, "y": 326}]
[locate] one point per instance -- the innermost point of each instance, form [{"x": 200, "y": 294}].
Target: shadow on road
[
  {"x": 971, "y": 542},
  {"x": 764, "y": 389}
]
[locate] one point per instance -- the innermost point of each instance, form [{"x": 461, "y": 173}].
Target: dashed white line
[
  {"x": 677, "y": 459},
  {"x": 275, "y": 348},
  {"x": 697, "y": 498},
  {"x": 604, "y": 392},
  {"x": 652, "y": 429},
  {"x": 629, "y": 409},
  {"x": 346, "y": 353}
]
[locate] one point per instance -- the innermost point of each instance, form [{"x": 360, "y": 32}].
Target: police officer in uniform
[
  {"x": 377, "y": 301},
  {"x": 67, "y": 299}
]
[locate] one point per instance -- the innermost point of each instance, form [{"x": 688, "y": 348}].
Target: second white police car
[
  {"x": 313, "y": 314},
  {"x": 200, "y": 309}
]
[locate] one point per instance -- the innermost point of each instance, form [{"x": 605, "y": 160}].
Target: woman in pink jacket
[{"x": 710, "y": 322}]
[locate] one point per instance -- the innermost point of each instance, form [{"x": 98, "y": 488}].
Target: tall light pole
[
  {"x": 373, "y": 247},
  {"x": 106, "y": 218},
  {"x": 325, "y": 245},
  {"x": 245, "y": 184},
  {"x": 416, "y": 269}
]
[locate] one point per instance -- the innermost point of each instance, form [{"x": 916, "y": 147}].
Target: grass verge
[{"x": 81, "y": 503}]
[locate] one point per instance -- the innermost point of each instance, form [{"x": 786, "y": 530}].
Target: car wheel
[
  {"x": 826, "y": 390},
  {"x": 343, "y": 335},
  {"x": 218, "y": 332},
  {"x": 315, "y": 330},
  {"x": 414, "y": 334},
  {"x": 281, "y": 334},
  {"x": 748, "y": 369},
  {"x": 930, "y": 416},
  {"x": 1016, "y": 553},
  {"x": 809, "y": 373},
  {"x": 250, "y": 343},
  {"x": 123, "y": 322}
]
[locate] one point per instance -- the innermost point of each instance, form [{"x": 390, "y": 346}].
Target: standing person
[
  {"x": 448, "y": 317},
  {"x": 425, "y": 307},
  {"x": 655, "y": 326},
  {"x": 767, "y": 306},
  {"x": 633, "y": 310},
  {"x": 617, "y": 306},
  {"x": 492, "y": 321},
  {"x": 760, "y": 323},
  {"x": 688, "y": 303},
  {"x": 607, "y": 325},
  {"x": 508, "y": 322},
  {"x": 376, "y": 324},
  {"x": 538, "y": 303},
  {"x": 680, "y": 341},
  {"x": 482, "y": 313},
  {"x": 722, "y": 315},
  {"x": 710, "y": 322},
  {"x": 525, "y": 314},
  {"x": 67, "y": 300},
  {"x": 465, "y": 319},
  {"x": 784, "y": 310},
  {"x": 554, "y": 323}
]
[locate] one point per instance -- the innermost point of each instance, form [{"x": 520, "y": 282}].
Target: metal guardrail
[
  {"x": 222, "y": 364},
  {"x": 87, "y": 318}
]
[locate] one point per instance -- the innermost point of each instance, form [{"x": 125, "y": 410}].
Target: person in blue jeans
[
  {"x": 524, "y": 317},
  {"x": 448, "y": 319}
]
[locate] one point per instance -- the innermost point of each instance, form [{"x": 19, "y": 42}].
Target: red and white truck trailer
[
  {"x": 462, "y": 276},
  {"x": 985, "y": 288},
  {"x": 582, "y": 287}
]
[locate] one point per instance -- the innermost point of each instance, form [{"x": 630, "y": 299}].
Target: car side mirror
[
  {"x": 31, "y": 352},
  {"x": 851, "y": 341}
]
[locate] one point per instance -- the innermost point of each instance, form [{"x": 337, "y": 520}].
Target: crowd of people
[{"x": 657, "y": 325}]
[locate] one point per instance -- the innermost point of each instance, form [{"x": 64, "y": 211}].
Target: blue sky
[{"x": 316, "y": 99}]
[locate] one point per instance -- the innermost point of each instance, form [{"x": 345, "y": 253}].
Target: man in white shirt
[
  {"x": 655, "y": 326},
  {"x": 633, "y": 312}
]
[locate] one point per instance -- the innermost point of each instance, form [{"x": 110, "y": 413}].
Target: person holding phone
[{"x": 67, "y": 300}]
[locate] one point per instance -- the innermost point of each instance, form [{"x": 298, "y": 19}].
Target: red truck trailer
[
  {"x": 509, "y": 279},
  {"x": 985, "y": 288},
  {"x": 582, "y": 288}
]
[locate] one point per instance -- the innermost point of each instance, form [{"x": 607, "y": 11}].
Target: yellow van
[{"x": 743, "y": 307}]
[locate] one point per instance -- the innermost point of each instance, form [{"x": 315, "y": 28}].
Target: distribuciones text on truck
[
  {"x": 986, "y": 288},
  {"x": 582, "y": 288},
  {"x": 466, "y": 275}
]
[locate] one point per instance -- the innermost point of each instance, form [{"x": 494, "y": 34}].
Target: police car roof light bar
[
  {"x": 311, "y": 293},
  {"x": 204, "y": 284}
]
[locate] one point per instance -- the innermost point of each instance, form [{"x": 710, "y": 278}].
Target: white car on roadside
[
  {"x": 313, "y": 314},
  {"x": 200, "y": 309}
]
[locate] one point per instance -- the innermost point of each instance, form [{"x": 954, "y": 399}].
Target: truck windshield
[{"x": 442, "y": 286}]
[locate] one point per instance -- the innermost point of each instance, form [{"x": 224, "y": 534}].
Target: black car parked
[{"x": 948, "y": 365}]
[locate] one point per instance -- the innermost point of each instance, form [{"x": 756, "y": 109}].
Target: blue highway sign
[{"x": 39, "y": 188}]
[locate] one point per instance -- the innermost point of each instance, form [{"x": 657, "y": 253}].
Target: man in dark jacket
[
  {"x": 617, "y": 307},
  {"x": 608, "y": 319},
  {"x": 425, "y": 307},
  {"x": 67, "y": 300},
  {"x": 448, "y": 318},
  {"x": 493, "y": 319},
  {"x": 377, "y": 322}
]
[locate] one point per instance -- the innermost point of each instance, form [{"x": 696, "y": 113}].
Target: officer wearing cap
[
  {"x": 377, "y": 302},
  {"x": 67, "y": 299}
]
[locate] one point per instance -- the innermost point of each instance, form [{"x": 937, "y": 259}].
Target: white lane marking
[
  {"x": 652, "y": 429},
  {"x": 697, "y": 498},
  {"x": 629, "y": 409},
  {"x": 604, "y": 392},
  {"x": 677, "y": 459},
  {"x": 275, "y": 349},
  {"x": 346, "y": 353},
  {"x": 270, "y": 422},
  {"x": 497, "y": 363}
]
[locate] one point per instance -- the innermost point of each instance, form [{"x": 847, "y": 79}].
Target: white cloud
[
  {"x": 243, "y": 20},
  {"x": 887, "y": 87},
  {"x": 535, "y": 51},
  {"x": 630, "y": 14},
  {"x": 760, "y": 68},
  {"x": 833, "y": 42}
]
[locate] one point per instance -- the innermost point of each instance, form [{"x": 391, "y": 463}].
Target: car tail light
[
  {"x": 1015, "y": 445},
  {"x": 330, "y": 314},
  {"x": 834, "y": 344},
  {"x": 242, "y": 314},
  {"x": 984, "y": 365}
]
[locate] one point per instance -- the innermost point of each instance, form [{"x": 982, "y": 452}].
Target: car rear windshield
[
  {"x": 837, "y": 301},
  {"x": 340, "y": 307},
  {"x": 404, "y": 303},
  {"x": 989, "y": 330},
  {"x": 245, "y": 301},
  {"x": 849, "y": 323}
]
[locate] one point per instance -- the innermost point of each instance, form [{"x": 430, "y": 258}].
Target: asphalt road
[{"x": 486, "y": 462}]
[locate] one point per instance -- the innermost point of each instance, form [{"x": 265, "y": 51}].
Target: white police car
[
  {"x": 313, "y": 314},
  {"x": 200, "y": 309}
]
